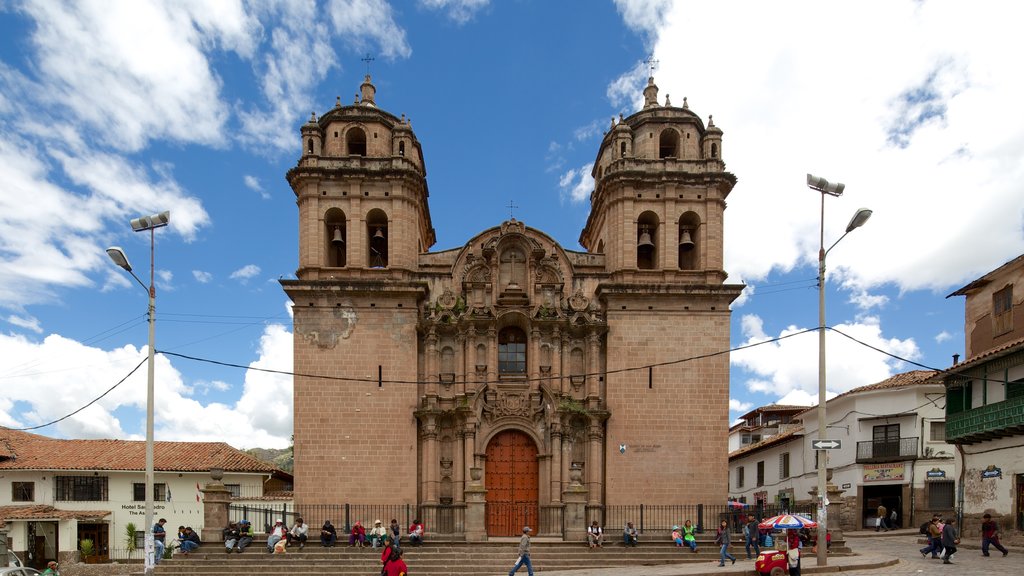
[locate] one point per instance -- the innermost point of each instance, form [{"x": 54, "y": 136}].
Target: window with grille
[
  {"x": 511, "y": 351},
  {"x": 940, "y": 494},
  {"x": 784, "y": 466},
  {"x": 139, "y": 492},
  {"x": 760, "y": 473},
  {"x": 739, "y": 477},
  {"x": 81, "y": 488},
  {"x": 937, "y": 431},
  {"x": 234, "y": 489},
  {"x": 1002, "y": 311},
  {"x": 23, "y": 491}
]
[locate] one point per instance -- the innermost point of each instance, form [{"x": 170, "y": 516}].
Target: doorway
[
  {"x": 42, "y": 543},
  {"x": 888, "y": 495},
  {"x": 100, "y": 536},
  {"x": 511, "y": 480}
]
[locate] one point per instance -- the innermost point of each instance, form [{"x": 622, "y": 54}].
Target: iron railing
[{"x": 901, "y": 449}]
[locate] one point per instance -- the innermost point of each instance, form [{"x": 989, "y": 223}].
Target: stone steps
[{"x": 466, "y": 559}]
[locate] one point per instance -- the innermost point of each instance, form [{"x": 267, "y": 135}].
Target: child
[{"x": 677, "y": 537}]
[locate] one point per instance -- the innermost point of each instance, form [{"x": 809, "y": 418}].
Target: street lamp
[
  {"x": 150, "y": 223},
  {"x": 859, "y": 218}
]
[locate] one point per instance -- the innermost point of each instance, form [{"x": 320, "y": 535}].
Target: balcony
[
  {"x": 997, "y": 420},
  {"x": 872, "y": 452}
]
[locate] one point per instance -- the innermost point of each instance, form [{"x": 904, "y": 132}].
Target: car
[
  {"x": 19, "y": 572},
  {"x": 12, "y": 560}
]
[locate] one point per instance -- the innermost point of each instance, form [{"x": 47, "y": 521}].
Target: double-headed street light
[
  {"x": 859, "y": 218},
  {"x": 150, "y": 223}
]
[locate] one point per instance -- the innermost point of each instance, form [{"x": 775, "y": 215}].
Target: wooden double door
[{"x": 512, "y": 481}]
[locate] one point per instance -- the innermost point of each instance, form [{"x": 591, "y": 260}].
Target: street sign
[{"x": 826, "y": 444}]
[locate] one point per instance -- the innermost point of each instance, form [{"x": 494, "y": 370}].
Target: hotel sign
[{"x": 883, "y": 472}]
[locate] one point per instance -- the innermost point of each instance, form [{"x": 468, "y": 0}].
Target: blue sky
[{"x": 113, "y": 110}]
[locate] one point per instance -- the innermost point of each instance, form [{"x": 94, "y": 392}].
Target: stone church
[{"x": 511, "y": 370}]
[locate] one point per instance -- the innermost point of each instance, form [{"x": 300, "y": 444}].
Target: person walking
[
  {"x": 934, "y": 539},
  {"x": 950, "y": 538},
  {"x": 524, "y": 554},
  {"x": 751, "y": 534},
  {"x": 722, "y": 539},
  {"x": 990, "y": 535},
  {"x": 880, "y": 521}
]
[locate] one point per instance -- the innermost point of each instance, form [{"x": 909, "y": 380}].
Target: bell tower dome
[{"x": 361, "y": 189}]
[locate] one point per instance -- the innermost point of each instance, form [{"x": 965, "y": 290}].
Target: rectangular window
[
  {"x": 739, "y": 477},
  {"x": 940, "y": 494},
  {"x": 81, "y": 488},
  {"x": 234, "y": 489},
  {"x": 139, "y": 492},
  {"x": 1002, "y": 311},
  {"x": 760, "y": 473},
  {"x": 937, "y": 431},
  {"x": 784, "y": 466},
  {"x": 885, "y": 441},
  {"x": 140, "y": 539},
  {"x": 23, "y": 491}
]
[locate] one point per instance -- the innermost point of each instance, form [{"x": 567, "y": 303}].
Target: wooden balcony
[
  {"x": 997, "y": 420},
  {"x": 895, "y": 451}
]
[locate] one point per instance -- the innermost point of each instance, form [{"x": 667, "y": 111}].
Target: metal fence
[{"x": 508, "y": 519}]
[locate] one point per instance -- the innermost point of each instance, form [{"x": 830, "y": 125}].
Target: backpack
[{"x": 924, "y": 528}]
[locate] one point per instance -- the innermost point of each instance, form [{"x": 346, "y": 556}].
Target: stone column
[
  {"x": 595, "y": 461},
  {"x": 431, "y": 363},
  {"x": 492, "y": 354},
  {"x": 469, "y": 447},
  {"x": 216, "y": 498},
  {"x": 575, "y": 514},
  {"x": 431, "y": 472},
  {"x": 593, "y": 366},
  {"x": 555, "y": 479},
  {"x": 476, "y": 507},
  {"x": 834, "y": 496}
]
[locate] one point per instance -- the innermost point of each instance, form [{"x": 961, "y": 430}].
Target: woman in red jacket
[{"x": 395, "y": 566}]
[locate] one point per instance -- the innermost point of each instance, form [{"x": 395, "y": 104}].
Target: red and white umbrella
[{"x": 788, "y": 521}]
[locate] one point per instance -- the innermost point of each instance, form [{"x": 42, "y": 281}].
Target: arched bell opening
[
  {"x": 335, "y": 230},
  {"x": 668, "y": 144},
  {"x": 355, "y": 141},
  {"x": 646, "y": 243},
  {"x": 689, "y": 254},
  {"x": 377, "y": 239}
]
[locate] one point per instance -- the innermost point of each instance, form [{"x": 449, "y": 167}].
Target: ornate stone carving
[
  {"x": 578, "y": 302},
  {"x": 504, "y": 404},
  {"x": 447, "y": 299}
]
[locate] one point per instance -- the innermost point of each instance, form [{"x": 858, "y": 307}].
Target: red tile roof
[
  {"x": 42, "y": 512},
  {"x": 24, "y": 451},
  {"x": 990, "y": 354},
  {"x": 912, "y": 378}
]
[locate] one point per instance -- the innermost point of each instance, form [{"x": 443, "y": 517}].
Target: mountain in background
[{"x": 279, "y": 457}]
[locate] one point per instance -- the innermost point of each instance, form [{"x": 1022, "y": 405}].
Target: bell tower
[
  {"x": 361, "y": 190},
  {"x": 657, "y": 215}
]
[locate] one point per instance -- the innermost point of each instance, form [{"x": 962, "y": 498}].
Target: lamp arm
[{"x": 144, "y": 287}]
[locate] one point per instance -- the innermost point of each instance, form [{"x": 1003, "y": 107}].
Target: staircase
[{"x": 440, "y": 558}]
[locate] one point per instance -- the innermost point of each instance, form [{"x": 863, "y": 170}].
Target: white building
[
  {"x": 56, "y": 493},
  {"x": 893, "y": 452},
  {"x": 762, "y": 423},
  {"x": 985, "y": 410}
]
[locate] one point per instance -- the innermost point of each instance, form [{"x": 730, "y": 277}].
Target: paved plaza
[{"x": 892, "y": 554}]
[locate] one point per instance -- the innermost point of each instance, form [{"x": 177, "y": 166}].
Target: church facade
[{"x": 511, "y": 370}]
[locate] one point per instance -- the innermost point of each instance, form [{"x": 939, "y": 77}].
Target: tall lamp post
[
  {"x": 859, "y": 218},
  {"x": 142, "y": 224}
]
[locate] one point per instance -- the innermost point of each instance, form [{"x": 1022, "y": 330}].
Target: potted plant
[{"x": 87, "y": 548}]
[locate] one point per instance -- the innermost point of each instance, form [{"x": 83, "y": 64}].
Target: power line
[{"x": 91, "y": 402}]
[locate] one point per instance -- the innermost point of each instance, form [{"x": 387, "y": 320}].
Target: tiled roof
[
  {"x": 770, "y": 441},
  {"x": 985, "y": 356},
  {"x": 42, "y": 512},
  {"x": 24, "y": 451},
  {"x": 268, "y": 496},
  {"x": 911, "y": 378}
]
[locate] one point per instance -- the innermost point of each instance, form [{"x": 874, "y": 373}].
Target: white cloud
[
  {"x": 577, "y": 184},
  {"x": 129, "y": 82},
  {"x": 943, "y": 336},
  {"x": 360, "y": 21},
  {"x": 245, "y": 273},
  {"x": 938, "y": 124},
  {"x": 27, "y": 322},
  {"x": 253, "y": 183},
  {"x": 791, "y": 364},
  {"x": 51, "y": 378},
  {"x": 202, "y": 277},
  {"x": 461, "y": 11},
  {"x": 737, "y": 406},
  {"x": 801, "y": 398},
  {"x": 865, "y": 301}
]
